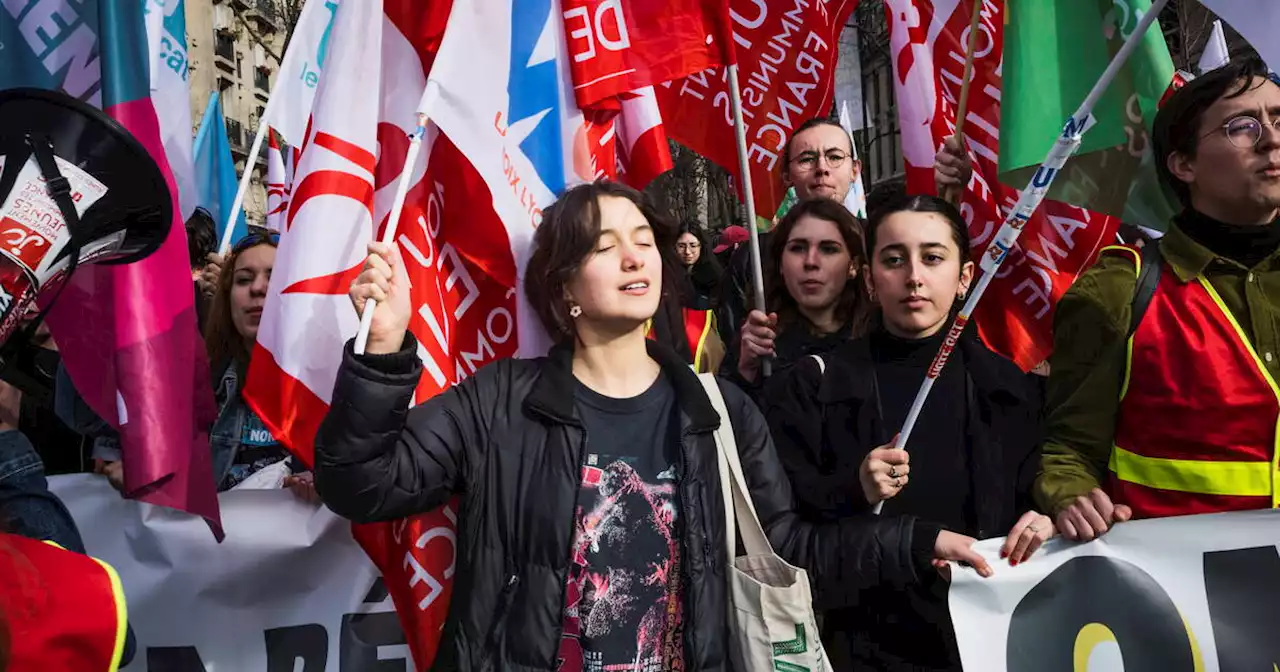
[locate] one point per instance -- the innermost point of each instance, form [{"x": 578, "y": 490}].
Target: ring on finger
[
  {"x": 897, "y": 482},
  {"x": 893, "y": 472},
  {"x": 1034, "y": 529}
]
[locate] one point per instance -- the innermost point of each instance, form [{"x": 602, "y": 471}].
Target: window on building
[
  {"x": 261, "y": 79},
  {"x": 225, "y": 46},
  {"x": 235, "y": 133}
]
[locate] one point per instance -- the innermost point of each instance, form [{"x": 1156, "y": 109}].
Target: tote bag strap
[{"x": 737, "y": 500}]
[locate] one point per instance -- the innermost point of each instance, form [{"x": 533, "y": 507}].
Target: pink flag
[{"x": 128, "y": 334}]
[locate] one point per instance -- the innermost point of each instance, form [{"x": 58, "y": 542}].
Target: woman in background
[
  {"x": 241, "y": 444},
  {"x": 815, "y": 297}
]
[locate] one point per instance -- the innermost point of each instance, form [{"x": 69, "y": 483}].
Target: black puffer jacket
[{"x": 509, "y": 441}]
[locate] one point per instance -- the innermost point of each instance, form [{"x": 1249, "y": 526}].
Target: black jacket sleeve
[
  {"x": 376, "y": 459},
  {"x": 842, "y": 557},
  {"x": 794, "y": 414}
]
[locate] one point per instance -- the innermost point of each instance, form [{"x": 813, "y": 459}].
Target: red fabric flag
[
  {"x": 786, "y": 54},
  {"x": 618, "y": 46},
  {"x": 1060, "y": 242}
]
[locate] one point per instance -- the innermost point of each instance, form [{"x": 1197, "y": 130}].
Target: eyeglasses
[
  {"x": 1244, "y": 131},
  {"x": 808, "y": 161},
  {"x": 688, "y": 247}
]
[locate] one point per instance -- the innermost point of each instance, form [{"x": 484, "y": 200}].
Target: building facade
[{"x": 225, "y": 41}]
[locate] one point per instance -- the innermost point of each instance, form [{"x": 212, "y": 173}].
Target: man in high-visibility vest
[{"x": 1163, "y": 397}]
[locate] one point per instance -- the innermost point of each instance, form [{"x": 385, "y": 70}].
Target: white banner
[
  {"x": 288, "y": 585},
  {"x": 171, "y": 93},
  {"x": 1196, "y": 593}
]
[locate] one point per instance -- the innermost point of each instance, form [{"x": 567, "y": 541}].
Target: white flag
[
  {"x": 1258, "y": 21},
  {"x": 278, "y": 185},
  {"x": 526, "y": 155},
  {"x": 295, "y": 87},
  {"x": 170, "y": 92},
  {"x": 1215, "y": 51}
]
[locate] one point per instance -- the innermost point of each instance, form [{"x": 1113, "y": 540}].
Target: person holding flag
[
  {"x": 1162, "y": 399},
  {"x": 818, "y": 162},
  {"x": 594, "y": 464},
  {"x": 972, "y": 459}
]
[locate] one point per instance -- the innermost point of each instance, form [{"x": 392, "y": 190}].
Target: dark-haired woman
[
  {"x": 972, "y": 456},
  {"x": 815, "y": 297},
  {"x": 704, "y": 272},
  {"x": 591, "y": 532}
]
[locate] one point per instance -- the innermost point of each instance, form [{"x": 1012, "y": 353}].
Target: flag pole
[
  {"x": 1066, "y": 145},
  {"x": 744, "y": 170},
  {"x": 254, "y": 150},
  {"x": 952, "y": 193},
  {"x": 427, "y": 102}
]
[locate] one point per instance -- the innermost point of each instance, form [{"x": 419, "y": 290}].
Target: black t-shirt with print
[{"x": 624, "y": 602}]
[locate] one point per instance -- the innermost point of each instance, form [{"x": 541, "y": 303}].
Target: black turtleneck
[
  {"x": 1245, "y": 245},
  {"x": 939, "y": 489},
  {"x": 939, "y": 492}
]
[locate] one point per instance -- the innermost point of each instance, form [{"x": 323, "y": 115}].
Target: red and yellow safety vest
[
  {"x": 1197, "y": 424},
  {"x": 698, "y": 326},
  {"x": 62, "y": 610}
]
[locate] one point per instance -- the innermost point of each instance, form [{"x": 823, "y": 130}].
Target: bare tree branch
[
  {"x": 283, "y": 13},
  {"x": 266, "y": 47}
]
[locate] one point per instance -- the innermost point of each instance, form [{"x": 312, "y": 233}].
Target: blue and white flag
[
  {"x": 295, "y": 88},
  {"x": 171, "y": 92}
]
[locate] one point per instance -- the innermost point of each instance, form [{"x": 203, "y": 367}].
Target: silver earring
[
  {"x": 963, "y": 293},
  {"x": 575, "y": 310}
]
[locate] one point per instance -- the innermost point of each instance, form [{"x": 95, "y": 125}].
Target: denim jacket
[{"x": 224, "y": 437}]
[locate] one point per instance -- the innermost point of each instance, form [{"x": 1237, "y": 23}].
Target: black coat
[
  {"x": 824, "y": 424},
  {"x": 509, "y": 441}
]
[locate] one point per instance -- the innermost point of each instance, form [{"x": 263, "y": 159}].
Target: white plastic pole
[
  {"x": 1066, "y": 145},
  {"x": 744, "y": 168},
  {"x": 397, "y": 206},
  {"x": 254, "y": 150}
]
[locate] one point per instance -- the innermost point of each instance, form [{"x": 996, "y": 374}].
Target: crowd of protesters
[{"x": 1165, "y": 357}]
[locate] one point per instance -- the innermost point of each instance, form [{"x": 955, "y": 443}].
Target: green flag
[{"x": 1054, "y": 52}]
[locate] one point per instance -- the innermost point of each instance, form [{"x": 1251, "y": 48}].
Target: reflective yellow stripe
[
  {"x": 1240, "y": 479},
  {"x": 122, "y": 614},
  {"x": 1137, "y": 270},
  {"x": 1244, "y": 340},
  {"x": 702, "y": 342}
]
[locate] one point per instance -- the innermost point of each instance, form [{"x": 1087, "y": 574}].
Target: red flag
[
  {"x": 1060, "y": 241},
  {"x": 619, "y": 46},
  {"x": 786, "y": 54}
]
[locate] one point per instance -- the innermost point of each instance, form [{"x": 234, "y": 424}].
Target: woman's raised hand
[{"x": 384, "y": 280}]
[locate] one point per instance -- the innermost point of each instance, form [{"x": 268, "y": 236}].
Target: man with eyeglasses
[
  {"x": 818, "y": 162},
  {"x": 1162, "y": 399}
]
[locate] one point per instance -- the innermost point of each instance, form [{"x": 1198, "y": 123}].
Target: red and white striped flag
[
  {"x": 506, "y": 140},
  {"x": 278, "y": 184}
]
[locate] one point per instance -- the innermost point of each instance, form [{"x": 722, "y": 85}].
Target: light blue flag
[{"x": 216, "y": 179}]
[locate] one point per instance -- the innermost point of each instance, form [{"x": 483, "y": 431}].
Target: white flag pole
[
  {"x": 263, "y": 123},
  {"x": 429, "y": 96},
  {"x": 1066, "y": 145},
  {"x": 744, "y": 169},
  {"x": 254, "y": 151}
]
